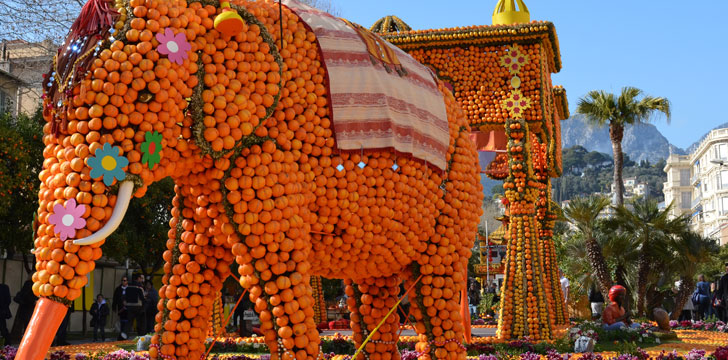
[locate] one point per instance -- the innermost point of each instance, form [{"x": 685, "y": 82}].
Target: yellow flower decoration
[
  {"x": 516, "y": 104},
  {"x": 514, "y": 59}
]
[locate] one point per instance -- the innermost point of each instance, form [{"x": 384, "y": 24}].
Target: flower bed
[
  {"x": 715, "y": 325},
  {"x": 691, "y": 345},
  {"x": 642, "y": 335}
]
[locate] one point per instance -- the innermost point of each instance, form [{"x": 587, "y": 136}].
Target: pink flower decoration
[
  {"x": 68, "y": 219},
  {"x": 174, "y": 46}
]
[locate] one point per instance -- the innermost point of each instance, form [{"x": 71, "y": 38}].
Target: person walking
[
  {"x": 26, "y": 304},
  {"x": 60, "y": 339},
  {"x": 150, "y": 305},
  {"x": 5, "y": 313},
  {"x": 119, "y": 307},
  {"x": 99, "y": 311},
  {"x": 564, "y": 286},
  {"x": 721, "y": 295},
  {"x": 474, "y": 294},
  {"x": 712, "y": 310},
  {"x": 596, "y": 300},
  {"x": 135, "y": 303},
  {"x": 703, "y": 297},
  {"x": 494, "y": 290}
]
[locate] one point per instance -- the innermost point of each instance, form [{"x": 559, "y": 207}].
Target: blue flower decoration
[{"x": 108, "y": 163}]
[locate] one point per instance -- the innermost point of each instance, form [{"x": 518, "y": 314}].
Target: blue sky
[{"x": 667, "y": 48}]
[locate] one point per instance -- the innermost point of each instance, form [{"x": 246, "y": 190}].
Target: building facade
[
  {"x": 22, "y": 65},
  {"x": 706, "y": 191},
  {"x": 678, "y": 188},
  {"x": 632, "y": 189}
]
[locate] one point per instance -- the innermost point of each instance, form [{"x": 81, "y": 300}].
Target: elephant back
[{"x": 380, "y": 97}]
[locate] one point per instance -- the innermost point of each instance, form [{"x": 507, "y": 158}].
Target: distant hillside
[
  {"x": 641, "y": 142},
  {"x": 695, "y": 145},
  {"x": 588, "y": 172}
]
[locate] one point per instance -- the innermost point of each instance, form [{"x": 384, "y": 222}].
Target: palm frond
[
  {"x": 583, "y": 212},
  {"x": 598, "y": 107},
  {"x": 648, "y": 105}
]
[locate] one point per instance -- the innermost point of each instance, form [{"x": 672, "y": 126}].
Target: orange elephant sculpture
[{"x": 147, "y": 89}]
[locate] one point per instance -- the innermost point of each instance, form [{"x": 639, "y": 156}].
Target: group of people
[
  {"x": 26, "y": 304},
  {"x": 708, "y": 299},
  {"x": 134, "y": 301}
]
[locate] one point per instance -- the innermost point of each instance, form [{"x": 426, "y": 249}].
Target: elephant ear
[
  {"x": 87, "y": 35},
  {"x": 209, "y": 139}
]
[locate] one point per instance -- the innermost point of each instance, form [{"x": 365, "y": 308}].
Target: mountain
[
  {"x": 641, "y": 142},
  {"x": 695, "y": 145}
]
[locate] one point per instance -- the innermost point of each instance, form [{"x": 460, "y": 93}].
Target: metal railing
[{"x": 696, "y": 201}]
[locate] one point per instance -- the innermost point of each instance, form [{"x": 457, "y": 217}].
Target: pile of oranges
[
  {"x": 215, "y": 324},
  {"x": 525, "y": 308},
  {"x": 319, "y": 304},
  {"x": 369, "y": 302},
  {"x": 498, "y": 168},
  {"x": 480, "y": 81}
]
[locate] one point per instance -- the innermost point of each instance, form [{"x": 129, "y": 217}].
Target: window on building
[
  {"x": 6, "y": 102},
  {"x": 685, "y": 177},
  {"x": 724, "y": 179},
  {"x": 717, "y": 182},
  {"x": 685, "y": 199},
  {"x": 724, "y": 205},
  {"x": 721, "y": 151}
]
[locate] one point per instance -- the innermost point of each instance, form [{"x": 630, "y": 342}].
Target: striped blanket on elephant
[{"x": 380, "y": 96}]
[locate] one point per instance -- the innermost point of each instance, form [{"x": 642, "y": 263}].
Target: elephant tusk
[{"x": 122, "y": 204}]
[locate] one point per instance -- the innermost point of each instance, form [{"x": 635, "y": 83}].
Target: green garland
[{"x": 175, "y": 259}]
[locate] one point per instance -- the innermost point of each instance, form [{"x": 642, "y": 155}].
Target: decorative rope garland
[{"x": 196, "y": 102}]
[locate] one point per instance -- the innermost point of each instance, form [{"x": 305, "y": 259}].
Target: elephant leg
[
  {"x": 273, "y": 250},
  {"x": 441, "y": 267},
  {"x": 369, "y": 302},
  {"x": 198, "y": 259},
  {"x": 436, "y": 309}
]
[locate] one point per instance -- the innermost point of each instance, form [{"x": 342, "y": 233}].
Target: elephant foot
[{"x": 369, "y": 302}]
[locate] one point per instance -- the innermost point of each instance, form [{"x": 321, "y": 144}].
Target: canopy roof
[{"x": 535, "y": 31}]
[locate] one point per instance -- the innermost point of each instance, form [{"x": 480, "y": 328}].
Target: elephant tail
[{"x": 39, "y": 335}]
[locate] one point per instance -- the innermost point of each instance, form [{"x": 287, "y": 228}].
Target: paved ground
[{"x": 477, "y": 332}]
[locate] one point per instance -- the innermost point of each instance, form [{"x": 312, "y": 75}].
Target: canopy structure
[{"x": 501, "y": 75}]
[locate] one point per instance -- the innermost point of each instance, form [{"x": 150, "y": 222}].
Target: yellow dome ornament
[
  {"x": 229, "y": 21},
  {"x": 506, "y": 14}
]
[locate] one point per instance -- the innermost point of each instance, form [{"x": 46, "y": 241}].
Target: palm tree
[
  {"x": 582, "y": 213},
  {"x": 619, "y": 251},
  {"x": 574, "y": 260},
  {"x": 690, "y": 249},
  {"x": 651, "y": 229},
  {"x": 601, "y": 108}
]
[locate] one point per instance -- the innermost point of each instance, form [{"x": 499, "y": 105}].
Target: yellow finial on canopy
[{"x": 506, "y": 14}]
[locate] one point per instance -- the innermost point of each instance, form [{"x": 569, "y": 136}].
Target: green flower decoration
[{"x": 151, "y": 148}]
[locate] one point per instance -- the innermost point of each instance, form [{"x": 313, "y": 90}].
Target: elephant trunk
[{"x": 47, "y": 317}]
